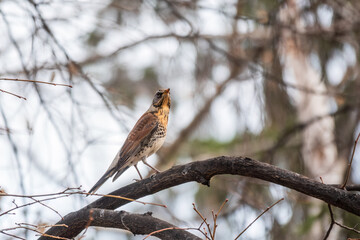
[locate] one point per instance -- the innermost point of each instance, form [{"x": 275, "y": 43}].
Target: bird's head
[{"x": 161, "y": 100}]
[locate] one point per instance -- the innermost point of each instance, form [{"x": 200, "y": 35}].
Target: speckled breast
[{"x": 154, "y": 144}]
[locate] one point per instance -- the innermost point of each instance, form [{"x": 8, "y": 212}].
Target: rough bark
[
  {"x": 202, "y": 172},
  {"x": 142, "y": 224}
]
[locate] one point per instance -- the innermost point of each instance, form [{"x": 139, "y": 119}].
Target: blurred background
[{"x": 274, "y": 80}]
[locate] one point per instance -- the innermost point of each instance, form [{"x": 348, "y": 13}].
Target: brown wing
[{"x": 138, "y": 137}]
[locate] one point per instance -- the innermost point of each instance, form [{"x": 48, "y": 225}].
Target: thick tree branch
[
  {"x": 202, "y": 172},
  {"x": 142, "y": 224}
]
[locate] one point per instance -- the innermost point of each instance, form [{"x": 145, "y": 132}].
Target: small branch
[
  {"x": 33, "y": 228},
  {"x": 42, "y": 226},
  {"x": 67, "y": 192},
  {"x": 13, "y": 94},
  {"x": 47, "y": 206},
  {"x": 259, "y": 217},
  {"x": 347, "y": 228},
  {"x": 7, "y": 131},
  {"x": 216, "y": 216},
  {"x": 331, "y": 224},
  {"x": 350, "y": 163},
  {"x": 333, "y": 221},
  {"x": 124, "y": 198},
  {"x": 35, "y": 81},
  {"x": 204, "y": 221},
  {"x": 28, "y": 204},
  {"x": 11, "y": 235}
]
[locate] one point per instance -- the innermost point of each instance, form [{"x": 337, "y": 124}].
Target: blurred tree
[{"x": 272, "y": 80}]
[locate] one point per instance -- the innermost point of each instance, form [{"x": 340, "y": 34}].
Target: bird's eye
[{"x": 158, "y": 94}]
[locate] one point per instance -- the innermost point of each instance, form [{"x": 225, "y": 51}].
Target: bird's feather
[
  {"x": 137, "y": 138},
  {"x": 102, "y": 180}
]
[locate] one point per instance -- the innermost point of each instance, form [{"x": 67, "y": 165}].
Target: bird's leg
[
  {"x": 138, "y": 171},
  {"x": 144, "y": 161}
]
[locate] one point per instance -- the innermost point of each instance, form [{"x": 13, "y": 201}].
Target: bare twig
[
  {"x": 35, "y": 81},
  {"x": 7, "y": 130},
  {"x": 13, "y": 94},
  {"x": 331, "y": 224},
  {"x": 67, "y": 192},
  {"x": 47, "y": 206},
  {"x": 33, "y": 228},
  {"x": 204, "y": 221},
  {"x": 347, "y": 228},
  {"x": 124, "y": 198},
  {"x": 11, "y": 235},
  {"x": 267, "y": 209},
  {"x": 215, "y": 216},
  {"x": 333, "y": 221},
  {"x": 350, "y": 163},
  {"x": 43, "y": 226},
  {"x": 28, "y": 204}
]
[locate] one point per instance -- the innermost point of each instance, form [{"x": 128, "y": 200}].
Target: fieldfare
[{"x": 144, "y": 139}]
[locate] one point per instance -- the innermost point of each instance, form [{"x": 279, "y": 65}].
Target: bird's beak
[{"x": 167, "y": 91}]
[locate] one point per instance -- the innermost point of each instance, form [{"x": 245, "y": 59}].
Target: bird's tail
[
  {"x": 102, "y": 180},
  {"x": 120, "y": 172}
]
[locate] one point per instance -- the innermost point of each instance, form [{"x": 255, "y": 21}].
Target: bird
[{"x": 145, "y": 139}]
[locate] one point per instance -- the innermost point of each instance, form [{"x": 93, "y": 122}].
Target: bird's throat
[{"x": 163, "y": 115}]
